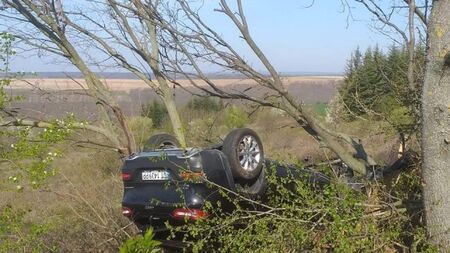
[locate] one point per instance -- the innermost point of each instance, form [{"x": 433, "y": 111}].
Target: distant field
[
  {"x": 131, "y": 84},
  {"x": 44, "y": 97}
]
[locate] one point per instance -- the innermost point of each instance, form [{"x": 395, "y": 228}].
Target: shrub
[
  {"x": 206, "y": 104},
  {"x": 298, "y": 216},
  {"x": 141, "y": 128},
  {"x": 321, "y": 109},
  {"x": 203, "y": 131},
  {"x": 18, "y": 235},
  {"x": 141, "y": 244},
  {"x": 155, "y": 111},
  {"x": 235, "y": 117},
  {"x": 397, "y": 114}
]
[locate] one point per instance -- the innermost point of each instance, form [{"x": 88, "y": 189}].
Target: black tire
[
  {"x": 256, "y": 189},
  {"x": 161, "y": 141},
  {"x": 245, "y": 153}
]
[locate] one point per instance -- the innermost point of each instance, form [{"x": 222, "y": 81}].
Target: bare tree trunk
[
  {"x": 101, "y": 92},
  {"x": 174, "y": 116},
  {"x": 167, "y": 93},
  {"x": 436, "y": 127},
  {"x": 411, "y": 45}
]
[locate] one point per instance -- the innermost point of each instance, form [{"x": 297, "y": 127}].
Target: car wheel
[
  {"x": 161, "y": 141},
  {"x": 256, "y": 189},
  {"x": 245, "y": 153}
]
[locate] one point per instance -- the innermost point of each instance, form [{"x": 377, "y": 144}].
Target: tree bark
[
  {"x": 174, "y": 116},
  {"x": 436, "y": 127}
]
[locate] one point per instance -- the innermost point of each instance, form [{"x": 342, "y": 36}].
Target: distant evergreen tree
[{"x": 376, "y": 85}]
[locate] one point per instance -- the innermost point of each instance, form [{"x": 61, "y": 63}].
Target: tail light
[
  {"x": 191, "y": 214},
  {"x": 126, "y": 176},
  {"x": 126, "y": 211}
]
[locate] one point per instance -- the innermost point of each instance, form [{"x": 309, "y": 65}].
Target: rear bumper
[
  {"x": 156, "y": 216},
  {"x": 145, "y": 213},
  {"x": 154, "y": 201}
]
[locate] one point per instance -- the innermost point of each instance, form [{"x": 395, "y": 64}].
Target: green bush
[
  {"x": 141, "y": 128},
  {"x": 156, "y": 111},
  {"x": 396, "y": 113},
  {"x": 320, "y": 109},
  {"x": 17, "y": 235},
  {"x": 141, "y": 244},
  {"x": 206, "y": 104},
  {"x": 28, "y": 152},
  {"x": 298, "y": 216},
  {"x": 235, "y": 117}
]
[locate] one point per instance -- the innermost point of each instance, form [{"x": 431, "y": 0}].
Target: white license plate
[{"x": 155, "y": 175}]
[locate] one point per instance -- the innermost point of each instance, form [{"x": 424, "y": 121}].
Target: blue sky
[{"x": 295, "y": 38}]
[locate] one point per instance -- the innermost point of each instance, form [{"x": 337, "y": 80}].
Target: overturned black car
[{"x": 169, "y": 184}]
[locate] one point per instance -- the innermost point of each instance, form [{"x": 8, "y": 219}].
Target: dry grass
[
  {"x": 378, "y": 138},
  {"x": 82, "y": 203},
  {"x": 283, "y": 139},
  {"x": 141, "y": 128}
]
